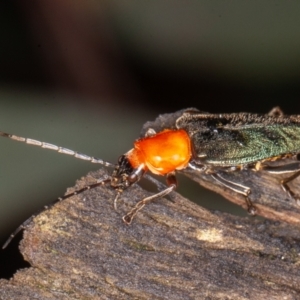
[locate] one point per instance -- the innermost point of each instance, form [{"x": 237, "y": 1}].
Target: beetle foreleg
[{"x": 172, "y": 184}]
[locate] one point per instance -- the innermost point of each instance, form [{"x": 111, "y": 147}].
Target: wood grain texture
[
  {"x": 270, "y": 200},
  {"x": 81, "y": 249}
]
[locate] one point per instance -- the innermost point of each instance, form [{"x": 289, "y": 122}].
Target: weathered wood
[
  {"x": 270, "y": 200},
  {"x": 81, "y": 249}
]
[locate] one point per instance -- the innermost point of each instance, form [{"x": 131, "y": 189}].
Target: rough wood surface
[
  {"x": 266, "y": 193},
  {"x": 81, "y": 249}
]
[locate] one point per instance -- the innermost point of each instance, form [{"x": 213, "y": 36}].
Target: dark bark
[
  {"x": 81, "y": 249},
  {"x": 267, "y": 195}
]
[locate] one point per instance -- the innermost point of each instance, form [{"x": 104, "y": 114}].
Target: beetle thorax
[{"x": 161, "y": 153}]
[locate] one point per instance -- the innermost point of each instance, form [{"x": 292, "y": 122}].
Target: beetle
[{"x": 207, "y": 143}]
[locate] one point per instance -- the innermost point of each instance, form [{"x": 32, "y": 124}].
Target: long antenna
[
  {"x": 47, "y": 207},
  {"x": 57, "y": 149}
]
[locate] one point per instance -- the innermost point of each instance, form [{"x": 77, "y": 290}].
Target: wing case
[{"x": 240, "y": 138}]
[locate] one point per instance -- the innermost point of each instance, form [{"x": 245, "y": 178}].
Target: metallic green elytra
[{"x": 241, "y": 138}]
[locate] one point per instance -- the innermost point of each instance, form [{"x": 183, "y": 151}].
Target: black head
[{"x": 124, "y": 175}]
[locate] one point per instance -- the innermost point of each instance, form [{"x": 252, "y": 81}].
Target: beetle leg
[
  {"x": 286, "y": 169},
  {"x": 238, "y": 188},
  {"x": 150, "y": 132},
  {"x": 172, "y": 185},
  {"x": 276, "y": 112},
  {"x": 287, "y": 189}
]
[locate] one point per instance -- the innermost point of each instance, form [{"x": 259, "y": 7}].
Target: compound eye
[{"x": 121, "y": 158}]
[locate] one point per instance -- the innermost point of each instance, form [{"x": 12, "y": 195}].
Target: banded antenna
[
  {"x": 161, "y": 187},
  {"x": 57, "y": 149},
  {"x": 63, "y": 151}
]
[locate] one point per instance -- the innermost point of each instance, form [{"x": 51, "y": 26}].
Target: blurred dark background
[{"x": 87, "y": 74}]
